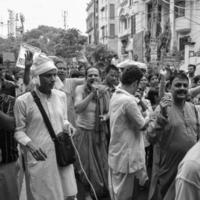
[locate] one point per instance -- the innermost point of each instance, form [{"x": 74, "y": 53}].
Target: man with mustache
[
  {"x": 91, "y": 106},
  {"x": 173, "y": 127},
  {"x": 44, "y": 178}
]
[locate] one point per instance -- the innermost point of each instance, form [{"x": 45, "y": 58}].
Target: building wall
[
  {"x": 131, "y": 12},
  {"x": 125, "y": 9},
  {"x": 90, "y": 22},
  {"x": 106, "y": 35},
  {"x": 194, "y": 19},
  {"x": 195, "y": 24}
]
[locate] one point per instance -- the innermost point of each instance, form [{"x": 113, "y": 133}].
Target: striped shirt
[{"x": 8, "y": 145}]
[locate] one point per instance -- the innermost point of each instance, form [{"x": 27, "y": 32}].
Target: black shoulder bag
[{"x": 65, "y": 153}]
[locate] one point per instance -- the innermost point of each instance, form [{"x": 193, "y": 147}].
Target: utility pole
[
  {"x": 172, "y": 23},
  {"x": 95, "y": 22},
  {"x": 22, "y": 20},
  {"x": 65, "y": 19},
  {"x": 11, "y": 24}
]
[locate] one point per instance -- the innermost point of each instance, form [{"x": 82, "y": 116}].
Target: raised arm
[
  {"x": 194, "y": 91},
  {"x": 78, "y": 81},
  {"x": 158, "y": 121},
  {"x": 134, "y": 114},
  {"x": 162, "y": 83},
  {"x": 28, "y": 64},
  {"x": 80, "y": 102}
]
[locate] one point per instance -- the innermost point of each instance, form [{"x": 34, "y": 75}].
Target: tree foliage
[
  {"x": 53, "y": 41},
  {"x": 99, "y": 54},
  {"x": 59, "y": 42},
  {"x": 9, "y": 45},
  {"x": 69, "y": 43}
]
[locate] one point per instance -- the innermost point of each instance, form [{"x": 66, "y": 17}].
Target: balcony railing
[{"x": 124, "y": 33}]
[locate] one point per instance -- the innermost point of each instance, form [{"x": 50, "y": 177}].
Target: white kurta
[{"x": 45, "y": 177}]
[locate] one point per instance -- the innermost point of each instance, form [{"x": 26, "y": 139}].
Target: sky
[{"x": 46, "y": 12}]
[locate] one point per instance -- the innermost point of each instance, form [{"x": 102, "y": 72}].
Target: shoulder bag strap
[
  {"x": 197, "y": 122},
  {"x": 44, "y": 115}
]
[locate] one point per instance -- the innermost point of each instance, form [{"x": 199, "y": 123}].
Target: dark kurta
[{"x": 174, "y": 136}]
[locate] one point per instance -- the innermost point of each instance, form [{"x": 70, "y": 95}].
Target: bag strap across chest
[{"x": 44, "y": 115}]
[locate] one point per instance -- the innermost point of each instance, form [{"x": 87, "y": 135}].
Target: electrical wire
[
  {"x": 183, "y": 16},
  {"x": 177, "y": 5},
  {"x": 85, "y": 174}
]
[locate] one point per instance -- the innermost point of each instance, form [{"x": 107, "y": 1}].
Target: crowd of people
[{"x": 132, "y": 130}]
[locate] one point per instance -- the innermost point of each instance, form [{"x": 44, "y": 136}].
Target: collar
[
  {"x": 43, "y": 95},
  {"x": 120, "y": 90}
]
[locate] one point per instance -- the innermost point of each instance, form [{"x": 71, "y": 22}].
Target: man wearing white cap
[{"x": 45, "y": 179}]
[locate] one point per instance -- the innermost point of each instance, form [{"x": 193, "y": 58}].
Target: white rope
[{"x": 85, "y": 174}]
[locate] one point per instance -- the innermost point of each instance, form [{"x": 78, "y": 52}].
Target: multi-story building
[
  {"x": 102, "y": 23},
  {"x": 149, "y": 29},
  {"x": 108, "y": 24},
  {"x": 176, "y": 28},
  {"x": 186, "y": 31},
  {"x": 90, "y": 22},
  {"x": 131, "y": 29},
  {"x": 183, "y": 18}
]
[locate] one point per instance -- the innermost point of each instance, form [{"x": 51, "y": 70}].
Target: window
[
  {"x": 149, "y": 15},
  {"x": 112, "y": 11},
  {"x": 125, "y": 23},
  {"x": 103, "y": 31},
  {"x": 179, "y": 8},
  {"x": 133, "y": 25},
  {"x": 112, "y": 30},
  {"x": 182, "y": 42}
]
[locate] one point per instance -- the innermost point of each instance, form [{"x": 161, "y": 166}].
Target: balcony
[
  {"x": 182, "y": 25},
  {"x": 124, "y": 33}
]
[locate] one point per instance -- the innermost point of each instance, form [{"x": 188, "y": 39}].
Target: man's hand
[
  {"x": 143, "y": 105},
  {"x": 69, "y": 129},
  {"x": 165, "y": 102},
  {"x": 104, "y": 118},
  {"x": 163, "y": 73},
  {"x": 28, "y": 59},
  {"x": 37, "y": 153}
]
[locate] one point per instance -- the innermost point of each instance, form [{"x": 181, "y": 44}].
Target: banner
[{"x": 23, "y": 49}]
